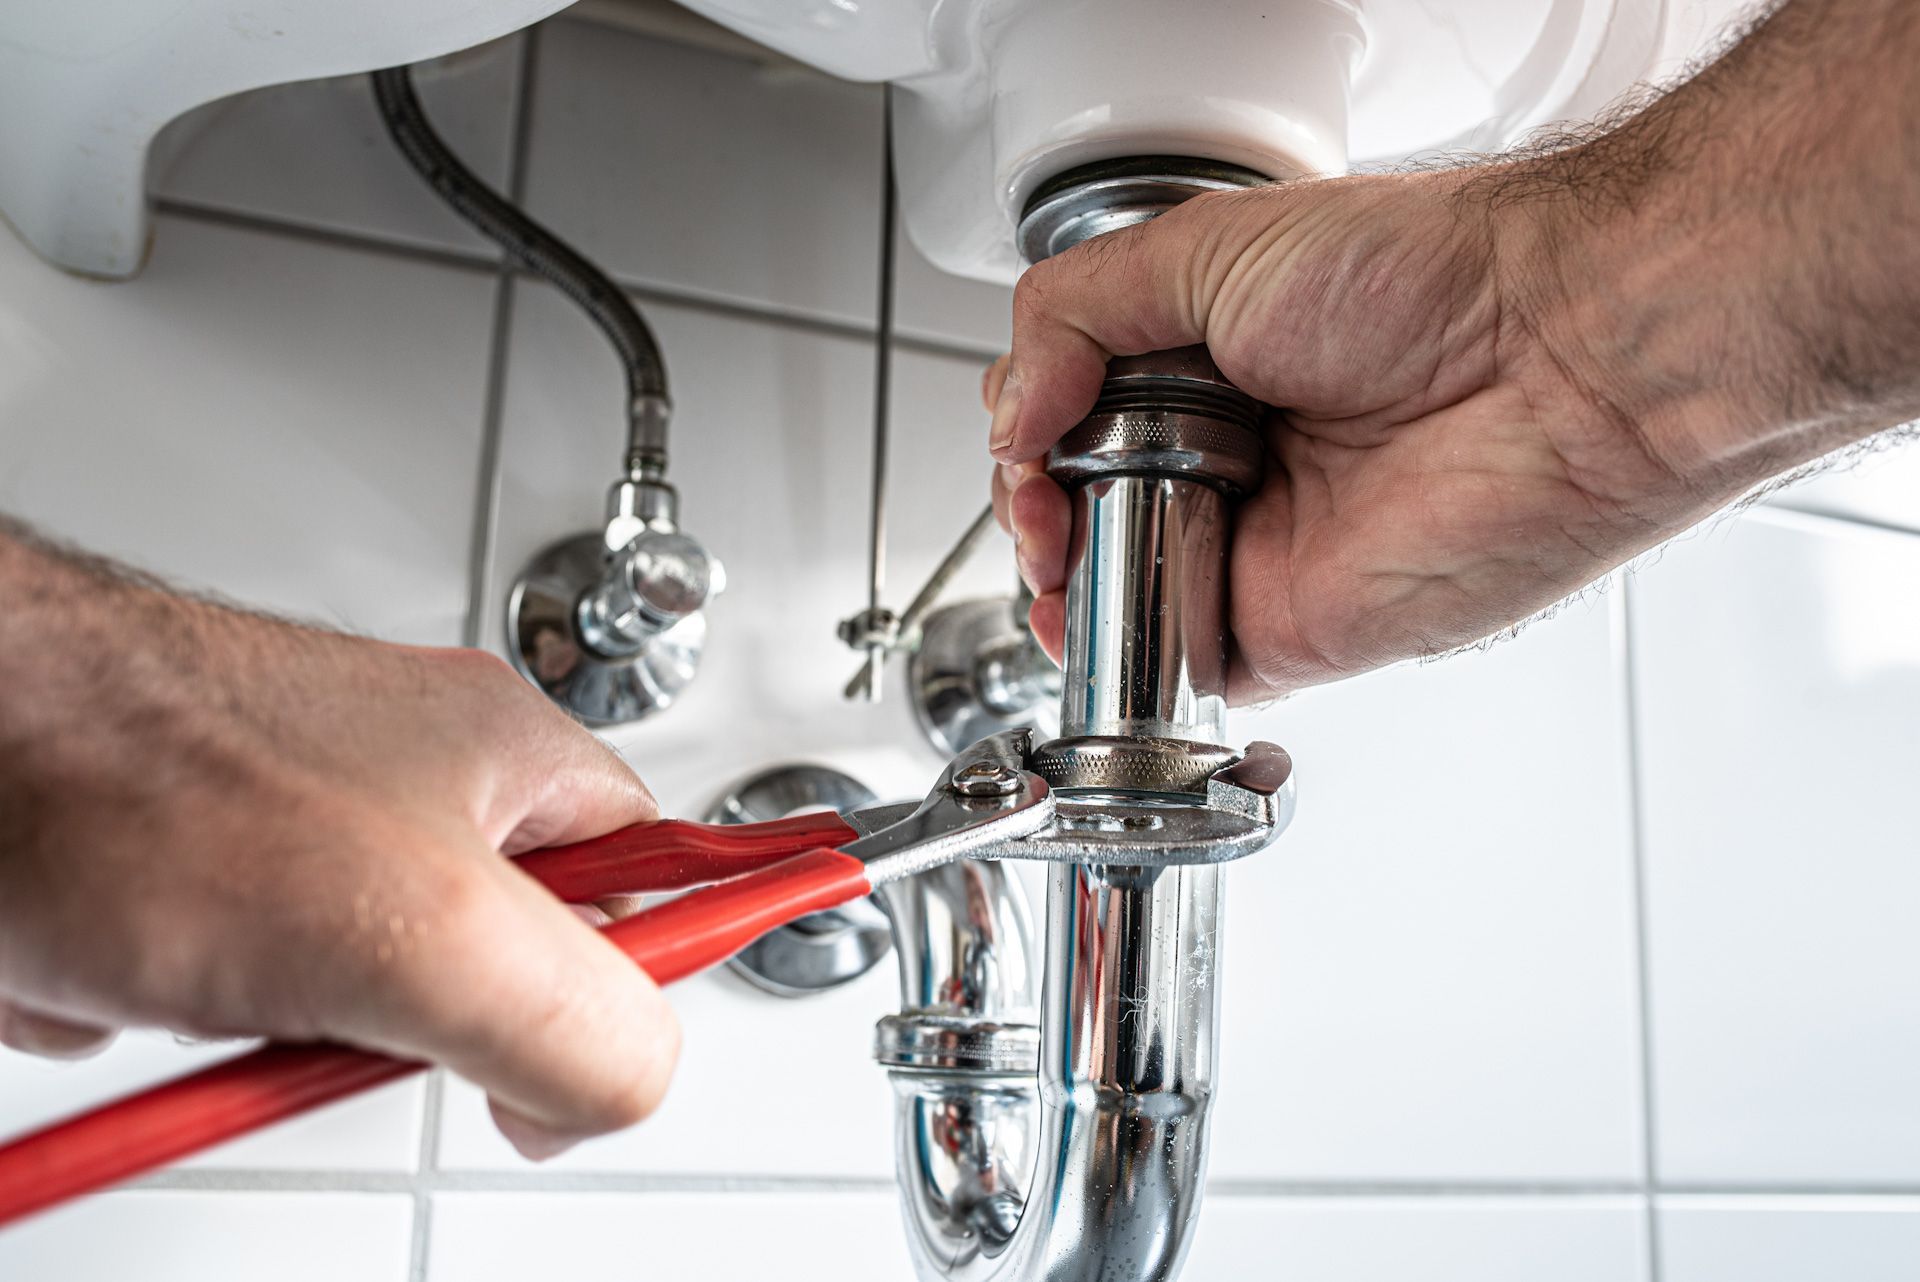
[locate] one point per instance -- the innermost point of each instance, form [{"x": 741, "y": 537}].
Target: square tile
[
  {"x": 479, "y": 1237},
  {"x": 380, "y": 1131},
  {"x": 702, "y": 171},
  {"x": 1778, "y": 666},
  {"x": 1419, "y": 1240},
  {"x": 932, "y": 304},
  {"x": 746, "y": 1059},
  {"x": 1431, "y": 975},
  {"x": 315, "y": 153},
  {"x": 771, "y": 454},
  {"x": 1789, "y": 1239},
  {"x": 667, "y": 1237},
  {"x": 1878, "y": 480},
  {"x": 294, "y": 425},
  {"x": 165, "y": 1236}
]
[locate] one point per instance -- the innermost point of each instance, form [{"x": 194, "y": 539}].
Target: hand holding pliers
[{"x": 755, "y": 877}]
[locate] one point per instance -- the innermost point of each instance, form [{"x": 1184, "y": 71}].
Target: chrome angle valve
[{"x": 612, "y": 624}]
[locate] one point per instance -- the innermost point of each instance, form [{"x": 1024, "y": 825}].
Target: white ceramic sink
[{"x": 994, "y": 96}]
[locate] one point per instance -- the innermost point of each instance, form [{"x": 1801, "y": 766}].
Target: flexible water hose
[{"x": 547, "y": 256}]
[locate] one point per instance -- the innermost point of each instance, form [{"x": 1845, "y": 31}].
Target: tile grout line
[
  {"x": 1627, "y": 685},
  {"x": 436, "y": 1181},
  {"x": 480, "y": 572},
  {"x": 483, "y": 530},
  {"x": 1790, "y": 515},
  {"x": 1545, "y": 1190},
  {"x": 274, "y": 1180},
  {"x": 424, "y": 1168},
  {"x": 331, "y": 237},
  {"x": 486, "y": 507},
  {"x": 462, "y": 260}
]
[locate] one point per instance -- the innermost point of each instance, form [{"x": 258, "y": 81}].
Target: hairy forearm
[
  {"x": 1731, "y": 269},
  {"x": 91, "y": 651},
  {"x": 64, "y": 644}
]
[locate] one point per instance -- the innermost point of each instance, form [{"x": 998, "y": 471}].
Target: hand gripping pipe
[{"x": 1091, "y": 1169}]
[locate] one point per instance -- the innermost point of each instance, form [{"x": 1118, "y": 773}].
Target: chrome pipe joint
[{"x": 1074, "y": 1149}]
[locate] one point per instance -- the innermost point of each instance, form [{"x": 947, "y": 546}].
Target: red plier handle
[
  {"x": 767, "y": 874},
  {"x": 672, "y": 854}
]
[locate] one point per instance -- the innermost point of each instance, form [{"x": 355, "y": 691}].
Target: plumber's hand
[
  {"x": 225, "y": 825},
  {"x": 1500, "y": 381},
  {"x": 1437, "y": 473}
]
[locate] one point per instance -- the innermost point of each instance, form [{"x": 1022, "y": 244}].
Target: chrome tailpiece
[{"x": 1057, "y": 1132}]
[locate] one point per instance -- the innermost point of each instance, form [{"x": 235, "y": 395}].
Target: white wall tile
[
  {"x": 316, "y": 153},
  {"x": 1802, "y": 1239},
  {"x": 667, "y": 1237},
  {"x": 156, "y": 1236},
  {"x": 1778, "y": 661},
  {"x": 765, "y": 1086},
  {"x": 930, "y": 303},
  {"x": 1430, "y": 976},
  {"x": 294, "y": 425},
  {"x": 380, "y": 1131},
  {"x": 851, "y": 1237},
  {"x": 707, "y": 172},
  {"x": 770, "y": 453},
  {"x": 1878, "y": 481},
  {"x": 1419, "y": 1240}
]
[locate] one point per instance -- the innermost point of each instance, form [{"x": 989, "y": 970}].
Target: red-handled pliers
[{"x": 764, "y": 875}]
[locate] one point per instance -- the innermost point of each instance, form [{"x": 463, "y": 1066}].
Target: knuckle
[
  {"x": 459, "y": 913},
  {"x": 629, "y": 1106},
  {"x": 1032, "y": 290},
  {"x": 492, "y": 671},
  {"x": 1027, "y": 286},
  {"x": 411, "y": 942},
  {"x": 481, "y": 668}
]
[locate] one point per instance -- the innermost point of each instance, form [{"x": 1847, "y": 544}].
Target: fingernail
[
  {"x": 1001, "y": 435},
  {"x": 1010, "y": 477}
]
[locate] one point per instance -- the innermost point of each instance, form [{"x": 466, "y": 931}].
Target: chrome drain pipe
[{"x": 1114, "y": 1109}]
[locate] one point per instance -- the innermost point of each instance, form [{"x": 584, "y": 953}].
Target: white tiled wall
[
  {"x": 172, "y": 1236},
  {"x": 1779, "y": 678},
  {"x": 1590, "y": 957},
  {"x": 1790, "y": 1239}
]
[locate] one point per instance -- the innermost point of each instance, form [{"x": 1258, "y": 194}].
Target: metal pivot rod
[
  {"x": 876, "y": 629},
  {"x": 902, "y": 627},
  {"x": 1116, "y": 1115},
  {"x": 974, "y": 668}
]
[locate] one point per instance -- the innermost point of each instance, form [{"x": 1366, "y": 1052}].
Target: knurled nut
[
  {"x": 1130, "y": 764},
  {"x": 1154, "y": 442},
  {"x": 959, "y": 1043}
]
